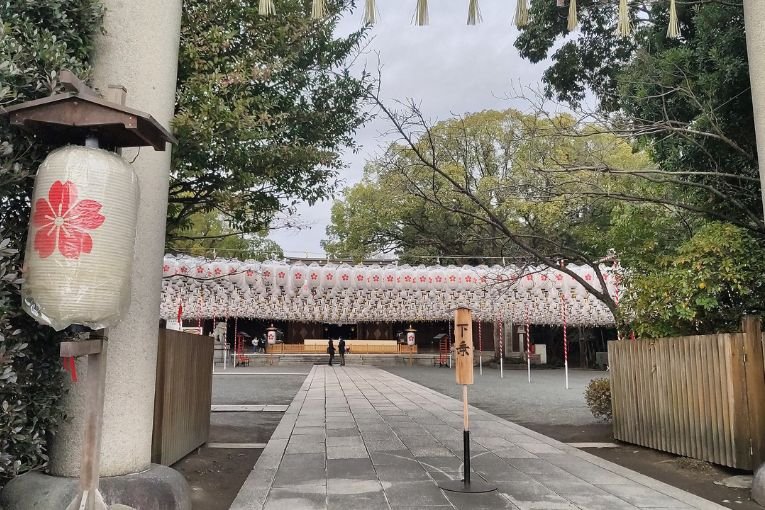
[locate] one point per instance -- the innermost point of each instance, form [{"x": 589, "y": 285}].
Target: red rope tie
[{"x": 70, "y": 366}]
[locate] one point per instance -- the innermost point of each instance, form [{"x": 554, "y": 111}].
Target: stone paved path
[{"x": 362, "y": 438}]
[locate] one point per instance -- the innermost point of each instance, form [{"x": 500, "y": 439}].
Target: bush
[
  {"x": 598, "y": 398},
  {"x": 37, "y": 40}
]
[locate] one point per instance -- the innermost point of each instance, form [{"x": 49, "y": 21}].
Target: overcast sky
[{"x": 447, "y": 66}]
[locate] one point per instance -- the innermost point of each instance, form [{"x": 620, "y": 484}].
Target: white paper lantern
[
  {"x": 314, "y": 275},
  {"x": 329, "y": 277},
  {"x": 81, "y": 242}
]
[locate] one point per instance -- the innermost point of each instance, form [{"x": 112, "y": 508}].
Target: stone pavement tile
[
  {"x": 303, "y": 497},
  {"x": 416, "y": 494},
  {"x": 309, "y": 422},
  {"x": 305, "y": 468},
  {"x": 539, "y": 448},
  {"x": 255, "y": 489},
  {"x": 341, "y": 425},
  {"x": 382, "y": 446},
  {"x": 346, "y": 452},
  {"x": 314, "y": 447},
  {"x": 558, "y": 477},
  {"x": 355, "y": 441},
  {"x": 360, "y": 469},
  {"x": 351, "y": 486},
  {"x": 309, "y": 431},
  {"x": 439, "y": 507},
  {"x": 411, "y": 472},
  {"x": 392, "y": 458},
  {"x": 368, "y": 427},
  {"x": 493, "y": 468},
  {"x": 482, "y": 501},
  {"x": 420, "y": 442},
  {"x": 457, "y": 445},
  {"x": 342, "y": 432},
  {"x": 587, "y": 471},
  {"x": 531, "y": 466},
  {"x": 641, "y": 497},
  {"x": 600, "y": 502},
  {"x": 367, "y": 501},
  {"x": 425, "y": 451},
  {"x": 411, "y": 431},
  {"x": 512, "y": 452},
  {"x": 528, "y": 495},
  {"x": 451, "y": 463}
]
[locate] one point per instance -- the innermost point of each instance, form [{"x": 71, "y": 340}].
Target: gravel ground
[
  {"x": 258, "y": 385},
  {"x": 544, "y": 401}
]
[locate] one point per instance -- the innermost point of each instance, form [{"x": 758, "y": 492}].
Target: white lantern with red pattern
[{"x": 81, "y": 241}]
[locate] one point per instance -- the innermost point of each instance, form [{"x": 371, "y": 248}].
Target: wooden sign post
[
  {"x": 463, "y": 354},
  {"x": 89, "y": 498}
]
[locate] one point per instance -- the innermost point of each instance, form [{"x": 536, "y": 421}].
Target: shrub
[
  {"x": 598, "y": 398},
  {"x": 37, "y": 39}
]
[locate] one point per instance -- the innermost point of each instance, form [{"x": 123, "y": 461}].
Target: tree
[
  {"x": 265, "y": 105},
  {"x": 685, "y": 101},
  {"x": 502, "y": 184},
  {"x": 37, "y": 39},
  {"x": 210, "y": 236},
  {"x": 705, "y": 286}
]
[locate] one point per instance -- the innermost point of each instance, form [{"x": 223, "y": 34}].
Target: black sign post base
[{"x": 466, "y": 485}]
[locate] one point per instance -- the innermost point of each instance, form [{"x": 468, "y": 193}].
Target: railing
[
  {"x": 700, "y": 396},
  {"x": 183, "y": 395}
]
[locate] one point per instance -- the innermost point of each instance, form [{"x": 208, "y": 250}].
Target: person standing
[
  {"x": 341, "y": 351},
  {"x": 331, "y": 351}
]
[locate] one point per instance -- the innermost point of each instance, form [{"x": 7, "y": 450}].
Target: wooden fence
[
  {"x": 700, "y": 396},
  {"x": 183, "y": 395}
]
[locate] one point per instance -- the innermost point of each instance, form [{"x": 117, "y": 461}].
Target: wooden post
[
  {"x": 95, "y": 350},
  {"x": 463, "y": 345},
  {"x": 755, "y": 387},
  {"x": 463, "y": 352}
]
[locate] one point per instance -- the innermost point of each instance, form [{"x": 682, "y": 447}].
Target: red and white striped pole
[
  {"x": 501, "y": 347},
  {"x": 480, "y": 349},
  {"x": 528, "y": 343},
  {"x": 565, "y": 334}
]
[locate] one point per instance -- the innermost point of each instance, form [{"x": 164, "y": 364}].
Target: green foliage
[
  {"x": 705, "y": 286},
  {"x": 704, "y": 84},
  {"x": 265, "y": 105},
  {"x": 590, "y": 61},
  {"x": 686, "y": 102},
  {"x": 37, "y": 39},
  {"x": 30, "y": 378},
  {"x": 598, "y": 398},
  {"x": 521, "y": 168},
  {"x": 210, "y": 236}
]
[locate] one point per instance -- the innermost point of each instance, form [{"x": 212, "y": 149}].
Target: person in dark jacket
[
  {"x": 341, "y": 351},
  {"x": 331, "y": 351}
]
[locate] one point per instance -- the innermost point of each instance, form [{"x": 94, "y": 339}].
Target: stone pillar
[
  {"x": 139, "y": 49},
  {"x": 754, "y": 18}
]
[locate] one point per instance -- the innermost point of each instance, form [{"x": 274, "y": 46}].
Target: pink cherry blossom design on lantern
[{"x": 62, "y": 222}]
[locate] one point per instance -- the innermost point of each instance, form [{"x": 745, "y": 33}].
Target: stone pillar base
[
  {"x": 157, "y": 488},
  {"x": 758, "y": 485}
]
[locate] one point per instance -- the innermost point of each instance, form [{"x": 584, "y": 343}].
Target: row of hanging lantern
[
  {"x": 337, "y": 293},
  {"x": 319, "y": 10}
]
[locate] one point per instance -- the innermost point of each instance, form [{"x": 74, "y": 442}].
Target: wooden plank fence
[
  {"x": 699, "y": 396},
  {"x": 183, "y": 395}
]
